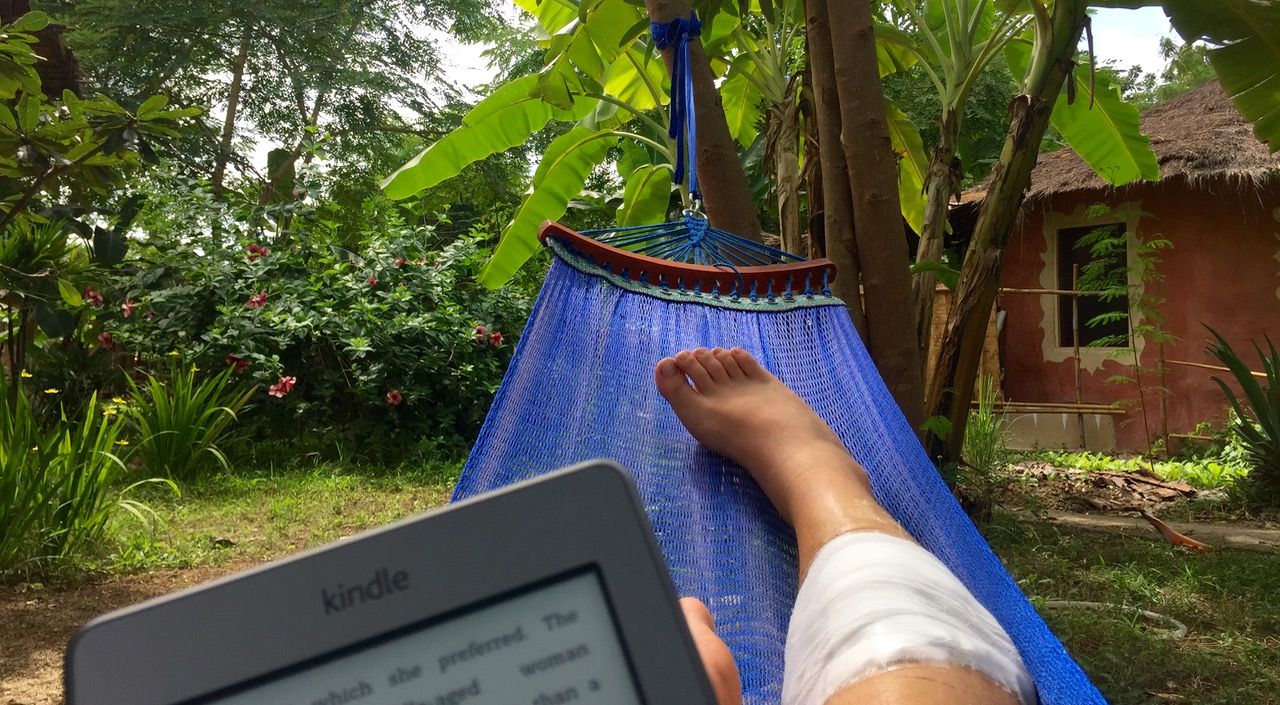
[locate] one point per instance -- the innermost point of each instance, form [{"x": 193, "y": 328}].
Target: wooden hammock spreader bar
[{"x": 811, "y": 277}]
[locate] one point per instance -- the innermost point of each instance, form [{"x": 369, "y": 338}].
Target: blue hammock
[{"x": 581, "y": 386}]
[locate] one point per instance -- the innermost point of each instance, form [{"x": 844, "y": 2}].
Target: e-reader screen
[{"x": 549, "y": 644}]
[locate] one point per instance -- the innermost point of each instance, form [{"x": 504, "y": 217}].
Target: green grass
[
  {"x": 1231, "y": 653},
  {"x": 251, "y": 517}
]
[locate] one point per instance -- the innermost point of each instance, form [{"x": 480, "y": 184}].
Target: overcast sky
[{"x": 1130, "y": 37}]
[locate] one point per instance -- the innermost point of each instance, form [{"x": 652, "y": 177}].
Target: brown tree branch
[{"x": 233, "y": 105}]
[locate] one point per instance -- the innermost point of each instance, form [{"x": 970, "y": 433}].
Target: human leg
[{"x": 735, "y": 407}]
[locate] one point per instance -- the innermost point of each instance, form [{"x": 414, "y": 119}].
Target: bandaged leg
[{"x": 871, "y": 603}]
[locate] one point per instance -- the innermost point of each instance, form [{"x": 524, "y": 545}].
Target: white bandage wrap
[{"x": 873, "y": 602}]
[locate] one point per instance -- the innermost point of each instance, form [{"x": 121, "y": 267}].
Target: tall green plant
[
  {"x": 1257, "y": 416},
  {"x": 954, "y": 41},
  {"x": 58, "y": 487},
  {"x": 986, "y": 451},
  {"x": 181, "y": 420}
]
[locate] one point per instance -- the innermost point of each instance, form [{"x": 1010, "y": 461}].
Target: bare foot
[{"x": 735, "y": 407}]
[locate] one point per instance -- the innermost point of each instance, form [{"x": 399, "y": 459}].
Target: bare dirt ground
[{"x": 36, "y": 622}]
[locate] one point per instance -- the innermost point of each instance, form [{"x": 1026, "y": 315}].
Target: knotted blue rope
[{"x": 684, "y": 122}]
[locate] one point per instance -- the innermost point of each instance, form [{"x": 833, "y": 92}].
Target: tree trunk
[
  {"x": 951, "y": 388},
  {"x": 812, "y": 174},
  {"x": 784, "y": 136},
  {"x": 838, "y": 242},
  {"x": 726, "y": 196},
  {"x": 233, "y": 105},
  {"x": 940, "y": 184},
  {"x": 309, "y": 119},
  {"x": 877, "y": 214}
]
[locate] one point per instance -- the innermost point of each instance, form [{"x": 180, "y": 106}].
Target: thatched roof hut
[
  {"x": 1199, "y": 137},
  {"x": 1216, "y": 212}
]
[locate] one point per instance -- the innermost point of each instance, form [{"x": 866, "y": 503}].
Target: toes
[
  {"x": 689, "y": 364},
  {"x": 712, "y": 364},
  {"x": 673, "y": 385},
  {"x": 731, "y": 367},
  {"x": 750, "y": 367}
]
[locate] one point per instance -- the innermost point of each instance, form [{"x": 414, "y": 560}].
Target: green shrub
[
  {"x": 986, "y": 451},
  {"x": 1257, "y": 417},
  {"x": 985, "y": 446},
  {"x": 380, "y": 348},
  {"x": 180, "y": 420},
  {"x": 57, "y": 486}
]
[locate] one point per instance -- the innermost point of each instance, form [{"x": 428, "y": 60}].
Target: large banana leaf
[
  {"x": 564, "y": 169},
  {"x": 1105, "y": 134},
  {"x": 948, "y": 19},
  {"x": 634, "y": 81},
  {"x": 895, "y": 50},
  {"x": 636, "y": 78},
  {"x": 1245, "y": 35},
  {"x": 604, "y": 28},
  {"x": 913, "y": 164},
  {"x": 741, "y": 101},
  {"x": 552, "y": 15},
  {"x": 505, "y": 119},
  {"x": 646, "y": 196}
]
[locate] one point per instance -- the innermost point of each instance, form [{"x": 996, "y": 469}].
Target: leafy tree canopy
[{"x": 361, "y": 71}]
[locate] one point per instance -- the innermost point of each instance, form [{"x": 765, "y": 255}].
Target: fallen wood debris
[{"x": 1174, "y": 537}]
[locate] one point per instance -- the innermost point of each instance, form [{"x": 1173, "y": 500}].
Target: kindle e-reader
[{"x": 548, "y": 592}]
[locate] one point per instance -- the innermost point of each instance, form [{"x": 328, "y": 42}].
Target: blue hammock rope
[
  {"x": 684, "y": 118},
  {"x": 690, "y": 239}
]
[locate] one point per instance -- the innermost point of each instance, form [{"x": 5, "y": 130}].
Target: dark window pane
[{"x": 1072, "y": 252}]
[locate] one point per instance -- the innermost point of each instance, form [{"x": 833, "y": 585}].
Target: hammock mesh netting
[{"x": 581, "y": 387}]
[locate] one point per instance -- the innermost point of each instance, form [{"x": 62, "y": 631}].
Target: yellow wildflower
[
  {"x": 109, "y": 411},
  {"x": 118, "y": 400},
  {"x": 122, "y": 442},
  {"x": 173, "y": 353},
  {"x": 26, "y": 375},
  {"x": 52, "y": 390}
]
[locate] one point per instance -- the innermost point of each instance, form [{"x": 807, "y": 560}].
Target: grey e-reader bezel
[{"x": 213, "y": 639}]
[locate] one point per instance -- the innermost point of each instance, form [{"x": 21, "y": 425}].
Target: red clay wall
[{"x": 1223, "y": 270}]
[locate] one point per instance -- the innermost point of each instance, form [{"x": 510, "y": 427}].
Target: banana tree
[
  {"x": 762, "y": 85},
  {"x": 763, "y": 96},
  {"x": 602, "y": 75},
  {"x": 954, "y": 41}
]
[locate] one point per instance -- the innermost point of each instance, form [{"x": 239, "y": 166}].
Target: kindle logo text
[{"x": 383, "y": 584}]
